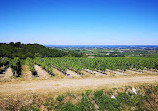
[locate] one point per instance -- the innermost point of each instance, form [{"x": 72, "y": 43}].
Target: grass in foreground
[{"x": 145, "y": 99}]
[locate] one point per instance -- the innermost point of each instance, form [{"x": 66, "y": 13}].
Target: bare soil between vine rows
[{"x": 64, "y": 85}]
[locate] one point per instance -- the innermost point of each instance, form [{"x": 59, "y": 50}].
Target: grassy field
[{"x": 146, "y": 98}]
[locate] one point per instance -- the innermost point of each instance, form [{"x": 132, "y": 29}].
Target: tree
[
  {"x": 11, "y": 43},
  {"x": 18, "y": 44}
]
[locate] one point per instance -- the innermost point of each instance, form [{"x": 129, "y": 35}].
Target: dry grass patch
[
  {"x": 58, "y": 74},
  {"x": 26, "y": 73},
  {"x": 41, "y": 72},
  {"x": 7, "y": 76}
]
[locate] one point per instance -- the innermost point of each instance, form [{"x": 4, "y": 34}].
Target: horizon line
[{"x": 101, "y": 45}]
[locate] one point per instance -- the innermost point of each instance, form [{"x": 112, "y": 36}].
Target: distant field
[{"x": 113, "y": 51}]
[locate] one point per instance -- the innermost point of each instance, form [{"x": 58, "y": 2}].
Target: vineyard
[
  {"x": 46, "y": 68},
  {"x": 77, "y": 65}
]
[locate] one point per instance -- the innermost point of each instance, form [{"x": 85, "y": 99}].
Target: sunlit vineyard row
[
  {"x": 101, "y": 63},
  {"x": 78, "y": 64}
]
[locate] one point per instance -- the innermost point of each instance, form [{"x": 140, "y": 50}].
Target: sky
[{"x": 79, "y": 22}]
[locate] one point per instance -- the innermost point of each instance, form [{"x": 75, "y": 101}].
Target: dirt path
[
  {"x": 44, "y": 86},
  {"x": 41, "y": 72}
]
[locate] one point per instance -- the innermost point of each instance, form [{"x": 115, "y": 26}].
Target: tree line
[{"x": 23, "y": 51}]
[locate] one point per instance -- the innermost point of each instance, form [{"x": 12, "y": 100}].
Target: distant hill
[{"x": 23, "y": 51}]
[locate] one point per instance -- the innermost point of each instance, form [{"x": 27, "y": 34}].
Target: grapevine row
[
  {"x": 77, "y": 64},
  {"x": 102, "y": 63}
]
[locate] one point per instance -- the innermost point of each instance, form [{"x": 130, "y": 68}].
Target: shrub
[{"x": 60, "y": 98}]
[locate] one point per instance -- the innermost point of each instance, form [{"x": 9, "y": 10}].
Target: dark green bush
[
  {"x": 105, "y": 102},
  {"x": 60, "y": 98},
  {"x": 68, "y": 107},
  {"x": 86, "y": 103}
]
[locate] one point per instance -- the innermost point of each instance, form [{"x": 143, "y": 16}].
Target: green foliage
[
  {"x": 86, "y": 103},
  {"x": 23, "y": 51},
  {"x": 31, "y": 108},
  {"x": 77, "y": 64},
  {"x": 124, "y": 98},
  {"x": 88, "y": 92},
  {"x": 4, "y": 61},
  {"x": 30, "y": 63},
  {"x": 60, "y": 98},
  {"x": 49, "y": 103},
  {"x": 45, "y": 63},
  {"x": 67, "y": 107},
  {"x": 101, "y": 63},
  {"x": 104, "y": 102},
  {"x": 16, "y": 66}
]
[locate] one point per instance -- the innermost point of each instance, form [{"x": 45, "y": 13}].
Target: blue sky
[{"x": 79, "y": 22}]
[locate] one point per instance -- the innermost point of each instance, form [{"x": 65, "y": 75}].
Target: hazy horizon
[
  {"x": 79, "y": 22},
  {"x": 97, "y": 45},
  {"x": 80, "y": 44}
]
